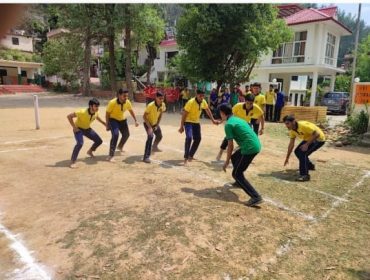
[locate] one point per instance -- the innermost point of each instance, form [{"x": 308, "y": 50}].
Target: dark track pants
[
  {"x": 192, "y": 140},
  {"x": 240, "y": 164},
  {"x": 89, "y": 133},
  {"x": 116, "y": 127},
  {"x": 304, "y": 161},
  {"x": 148, "y": 145},
  {"x": 269, "y": 112}
]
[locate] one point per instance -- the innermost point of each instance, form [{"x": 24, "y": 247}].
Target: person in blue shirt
[
  {"x": 279, "y": 104},
  {"x": 213, "y": 102},
  {"x": 226, "y": 97}
]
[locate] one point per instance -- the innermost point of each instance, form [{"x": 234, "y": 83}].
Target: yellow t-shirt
[
  {"x": 260, "y": 100},
  {"x": 305, "y": 130},
  {"x": 240, "y": 111},
  {"x": 194, "y": 109},
  {"x": 270, "y": 97},
  {"x": 185, "y": 94},
  {"x": 153, "y": 112},
  {"x": 84, "y": 118},
  {"x": 117, "y": 110}
]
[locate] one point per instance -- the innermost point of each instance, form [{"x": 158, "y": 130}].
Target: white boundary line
[
  {"x": 31, "y": 269},
  {"x": 267, "y": 199},
  {"x": 23, "y": 149},
  {"x": 335, "y": 204},
  {"x": 30, "y": 140}
]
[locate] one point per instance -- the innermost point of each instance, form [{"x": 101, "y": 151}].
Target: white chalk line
[
  {"x": 31, "y": 140},
  {"x": 23, "y": 149},
  {"x": 270, "y": 201},
  {"x": 335, "y": 204},
  {"x": 31, "y": 269}
]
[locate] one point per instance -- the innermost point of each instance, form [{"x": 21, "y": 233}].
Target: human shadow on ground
[
  {"x": 87, "y": 160},
  {"x": 219, "y": 193},
  {"x": 359, "y": 274},
  {"x": 216, "y": 165},
  {"x": 286, "y": 175},
  {"x": 133, "y": 159}
]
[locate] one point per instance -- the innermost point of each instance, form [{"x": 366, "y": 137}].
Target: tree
[
  {"x": 223, "y": 42},
  {"x": 347, "y": 43},
  {"x": 84, "y": 20},
  {"x": 148, "y": 33},
  {"x": 343, "y": 83},
  {"x": 363, "y": 60},
  {"x": 63, "y": 57}
]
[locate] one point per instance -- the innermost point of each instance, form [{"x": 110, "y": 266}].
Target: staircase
[{"x": 13, "y": 89}]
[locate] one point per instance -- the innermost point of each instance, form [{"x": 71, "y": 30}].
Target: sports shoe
[
  {"x": 254, "y": 201},
  {"x": 303, "y": 178},
  {"x": 147, "y": 160},
  {"x": 156, "y": 149},
  {"x": 311, "y": 167}
]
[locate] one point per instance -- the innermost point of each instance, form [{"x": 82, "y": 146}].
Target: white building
[
  {"x": 18, "y": 72},
  {"x": 313, "y": 52}
]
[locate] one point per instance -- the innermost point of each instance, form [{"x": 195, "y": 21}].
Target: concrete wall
[{"x": 25, "y": 43}]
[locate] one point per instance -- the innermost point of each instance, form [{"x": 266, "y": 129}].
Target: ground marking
[
  {"x": 30, "y": 140},
  {"x": 31, "y": 269},
  {"x": 23, "y": 149},
  {"x": 335, "y": 204}
]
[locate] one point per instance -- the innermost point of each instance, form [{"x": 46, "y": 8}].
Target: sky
[{"x": 353, "y": 9}]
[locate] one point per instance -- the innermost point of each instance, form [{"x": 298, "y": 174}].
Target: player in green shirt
[{"x": 238, "y": 130}]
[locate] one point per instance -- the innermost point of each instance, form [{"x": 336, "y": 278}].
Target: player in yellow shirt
[
  {"x": 259, "y": 99},
  {"x": 117, "y": 122},
  {"x": 313, "y": 139},
  {"x": 251, "y": 113},
  {"x": 81, "y": 127},
  {"x": 191, "y": 125},
  {"x": 152, "y": 117},
  {"x": 270, "y": 102},
  {"x": 185, "y": 95}
]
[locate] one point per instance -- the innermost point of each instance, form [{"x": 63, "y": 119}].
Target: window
[
  {"x": 329, "y": 52},
  {"x": 15, "y": 41},
  {"x": 169, "y": 56},
  {"x": 24, "y": 73},
  {"x": 291, "y": 52},
  {"x": 294, "y": 78}
]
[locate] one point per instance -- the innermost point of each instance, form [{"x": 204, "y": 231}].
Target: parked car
[{"x": 337, "y": 102}]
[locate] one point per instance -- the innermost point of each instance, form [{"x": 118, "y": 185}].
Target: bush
[{"x": 359, "y": 122}]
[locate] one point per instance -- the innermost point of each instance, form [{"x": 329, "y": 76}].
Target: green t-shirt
[
  {"x": 234, "y": 99},
  {"x": 239, "y": 130}
]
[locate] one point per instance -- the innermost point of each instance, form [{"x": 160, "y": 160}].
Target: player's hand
[
  {"x": 136, "y": 124},
  {"x": 107, "y": 127},
  {"x": 181, "y": 129},
  {"x": 304, "y": 147},
  {"x": 75, "y": 129},
  {"x": 216, "y": 122},
  {"x": 260, "y": 132},
  {"x": 286, "y": 162}
]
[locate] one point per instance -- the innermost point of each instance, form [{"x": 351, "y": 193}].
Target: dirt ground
[{"x": 132, "y": 220}]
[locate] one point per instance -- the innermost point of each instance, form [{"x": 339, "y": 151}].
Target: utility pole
[{"x": 355, "y": 53}]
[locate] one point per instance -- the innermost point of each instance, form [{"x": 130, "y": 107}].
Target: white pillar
[
  {"x": 299, "y": 99},
  {"x": 332, "y": 82},
  {"x": 19, "y": 70},
  {"x": 314, "y": 88}
]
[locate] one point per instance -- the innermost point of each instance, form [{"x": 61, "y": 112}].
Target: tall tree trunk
[
  {"x": 112, "y": 60},
  {"x": 219, "y": 84},
  {"x": 86, "y": 68},
  {"x": 110, "y": 8},
  {"x": 149, "y": 70},
  {"x": 128, "y": 60}
]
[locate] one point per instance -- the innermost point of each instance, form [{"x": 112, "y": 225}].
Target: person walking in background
[
  {"x": 313, "y": 139},
  {"x": 190, "y": 123},
  {"x": 116, "y": 121},
  {"x": 152, "y": 117},
  {"x": 270, "y": 102},
  {"x": 259, "y": 99},
  {"x": 81, "y": 127},
  {"x": 279, "y": 104},
  {"x": 240, "y": 131}
]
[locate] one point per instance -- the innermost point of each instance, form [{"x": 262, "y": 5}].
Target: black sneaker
[
  {"x": 254, "y": 201},
  {"x": 303, "y": 178},
  {"x": 235, "y": 185},
  {"x": 312, "y": 167}
]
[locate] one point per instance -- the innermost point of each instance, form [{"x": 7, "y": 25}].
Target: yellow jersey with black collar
[
  {"x": 153, "y": 111},
  {"x": 305, "y": 130},
  {"x": 260, "y": 100},
  {"x": 116, "y": 109},
  {"x": 194, "y": 109},
  {"x": 84, "y": 118},
  {"x": 240, "y": 110}
]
